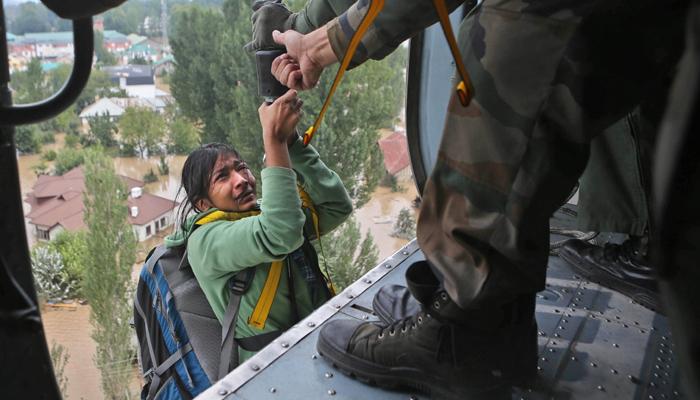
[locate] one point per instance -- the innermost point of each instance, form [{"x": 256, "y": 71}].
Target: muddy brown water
[{"x": 70, "y": 326}]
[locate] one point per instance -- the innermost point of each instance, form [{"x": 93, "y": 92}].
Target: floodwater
[{"x": 69, "y": 324}]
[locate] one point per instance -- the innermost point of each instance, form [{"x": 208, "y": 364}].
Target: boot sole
[
  {"x": 644, "y": 297},
  {"x": 397, "y": 377}
]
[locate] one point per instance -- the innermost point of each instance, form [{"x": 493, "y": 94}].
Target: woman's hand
[{"x": 279, "y": 119}]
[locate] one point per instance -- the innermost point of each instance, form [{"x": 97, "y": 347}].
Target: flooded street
[{"x": 69, "y": 324}]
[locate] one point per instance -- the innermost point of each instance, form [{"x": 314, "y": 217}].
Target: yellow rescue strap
[
  {"x": 267, "y": 295},
  {"x": 465, "y": 90},
  {"x": 375, "y": 7}
]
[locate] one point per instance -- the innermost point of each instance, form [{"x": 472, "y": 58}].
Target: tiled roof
[
  {"x": 63, "y": 201},
  {"x": 395, "y": 150}
]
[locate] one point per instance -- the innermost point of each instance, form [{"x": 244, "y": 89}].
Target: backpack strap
[
  {"x": 239, "y": 285},
  {"x": 151, "y": 260}
]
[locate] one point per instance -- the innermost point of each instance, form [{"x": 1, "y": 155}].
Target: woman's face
[{"x": 231, "y": 186}]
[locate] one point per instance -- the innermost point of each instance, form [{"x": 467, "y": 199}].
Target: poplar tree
[{"x": 107, "y": 286}]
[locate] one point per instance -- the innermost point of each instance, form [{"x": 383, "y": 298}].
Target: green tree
[
  {"x": 27, "y": 139},
  {"x": 405, "y": 226},
  {"x": 107, "y": 286},
  {"x": 141, "y": 129},
  {"x": 104, "y": 57},
  {"x": 73, "y": 249},
  {"x": 344, "y": 261},
  {"x": 67, "y": 159},
  {"x": 102, "y": 130},
  {"x": 67, "y": 121},
  {"x": 40, "y": 169},
  {"x": 34, "y": 17},
  {"x": 30, "y": 85},
  {"x": 183, "y": 136}
]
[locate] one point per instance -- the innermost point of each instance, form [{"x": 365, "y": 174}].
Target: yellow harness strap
[
  {"x": 267, "y": 295},
  {"x": 465, "y": 90},
  {"x": 374, "y": 8}
]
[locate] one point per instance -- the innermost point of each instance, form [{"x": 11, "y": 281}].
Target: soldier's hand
[
  {"x": 298, "y": 68},
  {"x": 268, "y": 16}
]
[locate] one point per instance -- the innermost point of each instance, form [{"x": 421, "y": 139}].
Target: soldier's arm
[{"x": 398, "y": 21}]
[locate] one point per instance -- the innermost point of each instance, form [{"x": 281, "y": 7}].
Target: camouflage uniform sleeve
[
  {"x": 398, "y": 21},
  {"x": 317, "y": 13}
]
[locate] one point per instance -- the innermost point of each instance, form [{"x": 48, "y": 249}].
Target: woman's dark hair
[{"x": 196, "y": 175}]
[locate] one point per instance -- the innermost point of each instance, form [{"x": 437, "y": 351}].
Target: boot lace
[{"x": 402, "y": 325}]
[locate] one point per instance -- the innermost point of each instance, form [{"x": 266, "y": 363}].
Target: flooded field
[{"x": 69, "y": 324}]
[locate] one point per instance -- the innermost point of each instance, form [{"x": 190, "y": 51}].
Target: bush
[
  {"x": 27, "y": 139},
  {"x": 52, "y": 280},
  {"x": 49, "y": 155},
  {"x": 163, "y": 167},
  {"x": 68, "y": 159},
  {"x": 405, "y": 226},
  {"x": 150, "y": 177},
  {"x": 72, "y": 140},
  {"x": 46, "y": 137}
]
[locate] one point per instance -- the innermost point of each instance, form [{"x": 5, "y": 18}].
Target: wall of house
[
  {"x": 143, "y": 91},
  {"x": 55, "y": 231},
  {"x": 156, "y": 226}
]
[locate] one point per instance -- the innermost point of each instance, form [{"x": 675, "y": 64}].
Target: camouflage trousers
[{"x": 548, "y": 77}]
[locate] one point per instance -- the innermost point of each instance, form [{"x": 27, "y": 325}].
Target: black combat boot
[
  {"x": 622, "y": 268},
  {"x": 442, "y": 350}
]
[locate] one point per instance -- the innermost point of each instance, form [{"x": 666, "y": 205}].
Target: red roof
[
  {"x": 58, "y": 200},
  {"x": 395, "y": 150}
]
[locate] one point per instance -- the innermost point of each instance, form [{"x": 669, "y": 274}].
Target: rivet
[
  {"x": 556, "y": 335},
  {"x": 593, "y": 364},
  {"x": 613, "y": 371},
  {"x": 636, "y": 323},
  {"x": 310, "y": 324},
  {"x": 663, "y": 337},
  {"x": 544, "y": 359},
  {"x": 616, "y": 345},
  {"x": 652, "y": 384},
  {"x": 254, "y": 367},
  {"x": 618, "y": 317},
  {"x": 601, "y": 388},
  {"x": 633, "y": 379},
  {"x": 554, "y": 343},
  {"x": 350, "y": 295},
  {"x": 576, "y": 299},
  {"x": 625, "y": 325},
  {"x": 585, "y": 308},
  {"x": 579, "y": 293},
  {"x": 284, "y": 344},
  {"x": 651, "y": 397},
  {"x": 565, "y": 290},
  {"x": 539, "y": 368},
  {"x": 607, "y": 320},
  {"x": 331, "y": 392},
  {"x": 556, "y": 311},
  {"x": 561, "y": 327},
  {"x": 365, "y": 317},
  {"x": 573, "y": 358},
  {"x": 642, "y": 331},
  {"x": 541, "y": 333},
  {"x": 222, "y": 392},
  {"x": 663, "y": 382},
  {"x": 412, "y": 397},
  {"x": 314, "y": 356},
  {"x": 328, "y": 375},
  {"x": 273, "y": 390},
  {"x": 336, "y": 306},
  {"x": 387, "y": 265},
  {"x": 367, "y": 280},
  {"x": 552, "y": 350},
  {"x": 404, "y": 252}
]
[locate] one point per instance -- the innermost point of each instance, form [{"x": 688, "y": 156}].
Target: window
[
  {"x": 162, "y": 222},
  {"x": 148, "y": 230},
  {"x": 42, "y": 234}
]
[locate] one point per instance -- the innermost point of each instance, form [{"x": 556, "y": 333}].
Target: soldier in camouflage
[{"x": 548, "y": 77}]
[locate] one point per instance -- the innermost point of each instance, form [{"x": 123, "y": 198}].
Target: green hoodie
[{"x": 218, "y": 250}]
